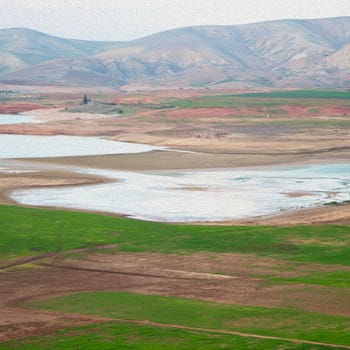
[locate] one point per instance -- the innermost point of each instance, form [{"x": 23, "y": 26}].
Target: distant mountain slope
[
  {"x": 300, "y": 53},
  {"x": 21, "y": 48}
]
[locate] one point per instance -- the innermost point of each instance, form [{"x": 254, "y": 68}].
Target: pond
[{"x": 187, "y": 196}]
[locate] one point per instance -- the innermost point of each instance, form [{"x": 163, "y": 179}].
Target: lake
[
  {"x": 17, "y": 119},
  {"x": 32, "y": 146},
  {"x": 186, "y": 196}
]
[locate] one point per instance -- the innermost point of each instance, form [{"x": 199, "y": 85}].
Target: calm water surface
[
  {"x": 33, "y": 146},
  {"x": 17, "y": 119}
]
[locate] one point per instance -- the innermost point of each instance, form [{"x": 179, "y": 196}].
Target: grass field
[
  {"x": 314, "y": 94},
  {"x": 254, "y": 320},
  {"x": 311, "y": 98},
  {"x": 41, "y": 230},
  {"x": 339, "y": 279},
  {"x": 29, "y": 232},
  {"x": 115, "y": 335}
]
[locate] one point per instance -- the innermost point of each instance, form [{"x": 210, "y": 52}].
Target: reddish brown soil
[
  {"x": 202, "y": 113},
  {"x": 290, "y": 111},
  {"x": 20, "y": 107},
  {"x": 156, "y": 96},
  {"x": 226, "y": 278},
  {"x": 335, "y": 110},
  {"x": 18, "y": 323}
]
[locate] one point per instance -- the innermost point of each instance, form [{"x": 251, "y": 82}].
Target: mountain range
[{"x": 284, "y": 53}]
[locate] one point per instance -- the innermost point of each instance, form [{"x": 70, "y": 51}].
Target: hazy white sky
[{"x": 128, "y": 19}]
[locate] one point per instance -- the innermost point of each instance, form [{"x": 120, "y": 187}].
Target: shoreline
[
  {"x": 159, "y": 160},
  {"x": 303, "y": 217},
  {"x": 66, "y": 177},
  {"x": 207, "y": 156}
]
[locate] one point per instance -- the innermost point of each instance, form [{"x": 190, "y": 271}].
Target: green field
[
  {"x": 30, "y": 232},
  {"x": 228, "y": 101},
  {"x": 274, "y": 99},
  {"x": 284, "y": 323},
  {"x": 314, "y": 94},
  {"x": 114, "y": 335},
  {"x": 339, "y": 279}
]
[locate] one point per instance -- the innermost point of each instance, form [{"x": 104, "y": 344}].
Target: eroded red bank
[{"x": 20, "y": 107}]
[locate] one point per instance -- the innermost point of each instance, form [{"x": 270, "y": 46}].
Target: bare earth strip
[
  {"x": 41, "y": 178},
  {"x": 169, "y": 160},
  {"x": 193, "y": 276},
  {"x": 18, "y": 323}
]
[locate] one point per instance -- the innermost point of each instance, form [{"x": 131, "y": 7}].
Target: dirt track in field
[
  {"x": 240, "y": 334},
  {"x": 226, "y": 278}
]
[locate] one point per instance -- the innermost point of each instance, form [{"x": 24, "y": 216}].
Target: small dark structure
[{"x": 85, "y": 100}]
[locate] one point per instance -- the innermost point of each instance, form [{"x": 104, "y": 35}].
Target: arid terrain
[
  {"x": 279, "y": 54},
  {"x": 217, "y": 129},
  {"x": 191, "y": 276}
]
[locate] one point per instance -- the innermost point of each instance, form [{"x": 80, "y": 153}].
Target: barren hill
[
  {"x": 22, "y": 47},
  {"x": 295, "y": 53}
]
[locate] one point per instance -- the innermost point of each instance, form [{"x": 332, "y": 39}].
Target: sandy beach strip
[
  {"x": 172, "y": 160},
  {"x": 10, "y": 182}
]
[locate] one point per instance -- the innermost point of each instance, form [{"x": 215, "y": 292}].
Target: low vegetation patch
[
  {"x": 102, "y": 108},
  {"x": 339, "y": 279},
  {"x": 273, "y": 99},
  {"x": 27, "y": 231},
  {"x": 186, "y": 312},
  {"x": 315, "y": 94},
  {"x": 115, "y": 335}
]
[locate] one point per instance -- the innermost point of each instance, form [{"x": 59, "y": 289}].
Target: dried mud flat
[
  {"x": 163, "y": 160},
  {"x": 194, "y": 276},
  {"x": 239, "y": 146},
  {"x": 41, "y": 178}
]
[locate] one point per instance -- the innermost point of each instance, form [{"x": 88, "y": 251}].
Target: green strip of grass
[
  {"x": 256, "y": 320},
  {"x": 273, "y": 100},
  {"x": 314, "y": 94},
  {"x": 126, "y": 336},
  {"x": 340, "y": 279},
  {"x": 229, "y": 101},
  {"x": 27, "y": 231}
]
